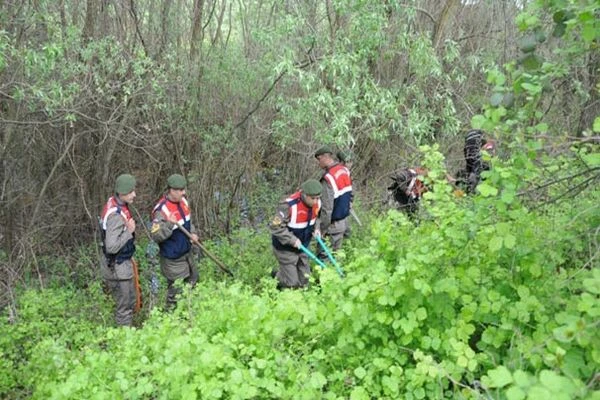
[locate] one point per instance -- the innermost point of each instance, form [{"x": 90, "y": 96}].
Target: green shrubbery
[
  {"x": 485, "y": 297},
  {"x": 491, "y": 296}
]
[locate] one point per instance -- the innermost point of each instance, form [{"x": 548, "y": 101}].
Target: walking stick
[
  {"x": 312, "y": 255},
  {"x": 204, "y": 250},
  {"x": 196, "y": 242},
  {"x": 355, "y": 217},
  {"x": 151, "y": 250},
  {"x": 330, "y": 256},
  {"x": 137, "y": 287}
]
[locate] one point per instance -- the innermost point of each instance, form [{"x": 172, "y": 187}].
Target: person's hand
[
  {"x": 195, "y": 237},
  {"x": 297, "y": 244},
  {"x": 130, "y": 225},
  {"x": 317, "y": 233}
]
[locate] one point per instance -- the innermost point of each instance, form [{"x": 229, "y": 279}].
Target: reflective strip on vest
[
  {"x": 164, "y": 208},
  {"x": 411, "y": 185},
  {"x": 335, "y": 177},
  {"x": 295, "y": 223},
  {"x": 112, "y": 206},
  {"x": 127, "y": 251}
]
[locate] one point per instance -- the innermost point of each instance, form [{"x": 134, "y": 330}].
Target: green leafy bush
[{"x": 483, "y": 298}]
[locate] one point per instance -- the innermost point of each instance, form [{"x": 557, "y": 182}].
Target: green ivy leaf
[
  {"x": 317, "y": 380},
  {"x": 360, "y": 372},
  {"x": 556, "y": 383},
  {"x": 419, "y": 393},
  {"x": 495, "y": 243},
  {"x": 592, "y": 159},
  {"x": 462, "y": 361},
  {"x": 478, "y": 121},
  {"x": 596, "y": 127},
  {"x": 515, "y": 393},
  {"x": 499, "y": 377},
  {"x": 592, "y": 285},
  {"x": 359, "y": 393},
  {"x": 531, "y": 88},
  {"x": 564, "y": 334},
  {"x": 487, "y": 190},
  {"x": 509, "y": 241},
  {"x": 521, "y": 378},
  {"x": 496, "y": 99},
  {"x": 588, "y": 33},
  {"x": 508, "y": 196}
]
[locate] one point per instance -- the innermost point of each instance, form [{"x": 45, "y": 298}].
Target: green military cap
[
  {"x": 323, "y": 150},
  {"x": 311, "y": 187},
  {"x": 176, "y": 181},
  {"x": 124, "y": 184}
]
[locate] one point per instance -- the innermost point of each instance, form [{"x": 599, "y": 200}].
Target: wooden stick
[{"x": 205, "y": 251}]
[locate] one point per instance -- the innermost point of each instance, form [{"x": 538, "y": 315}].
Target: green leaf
[
  {"x": 499, "y": 377},
  {"x": 391, "y": 383},
  {"x": 531, "y": 62},
  {"x": 564, "y": 334},
  {"x": 559, "y": 29},
  {"x": 478, "y": 121},
  {"x": 317, "y": 380},
  {"x": 495, "y": 243},
  {"x": 521, "y": 378},
  {"x": 531, "y": 88},
  {"x": 515, "y": 393},
  {"x": 528, "y": 43},
  {"x": 596, "y": 127},
  {"x": 592, "y": 285},
  {"x": 559, "y": 16},
  {"x": 592, "y": 159},
  {"x": 508, "y": 100},
  {"x": 487, "y": 190},
  {"x": 556, "y": 383},
  {"x": 496, "y": 99},
  {"x": 588, "y": 33},
  {"x": 359, "y": 393},
  {"x": 360, "y": 372},
  {"x": 508, "y": 196},
  {"x": 509, "y": 241},
  {"x": 419, "y": 393}
]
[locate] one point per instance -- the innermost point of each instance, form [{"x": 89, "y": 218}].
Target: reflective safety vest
[
  {"x": 178, "y": 244},
  {"x": 416, "y": 187},
  {"x": 338, "y": 178},
  {"x": 302, "y": 221},
  {"x": 126, "y": 252}
]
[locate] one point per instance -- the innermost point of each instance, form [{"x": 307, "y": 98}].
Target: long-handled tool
[
  {"x": 151, "y": 252},
  {"x": 330, "y": 256},
  {"x": 137, "y": 287},
  {"x": 312, "y": 256},
  {"x": 205, "y": 250},
  {"x": 196, "y": 242},
  {"x": 355, "y": 217}
]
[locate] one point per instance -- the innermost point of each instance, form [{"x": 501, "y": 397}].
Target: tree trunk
[
  {"x": 444, "y": 20},
  {"x": 197, "y": 32},
  {"x": 164, "y": 29},
  {"x": 91, "y": 13}
]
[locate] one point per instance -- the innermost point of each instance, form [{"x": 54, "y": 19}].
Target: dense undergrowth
[{"x": 491, "y": 296}]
